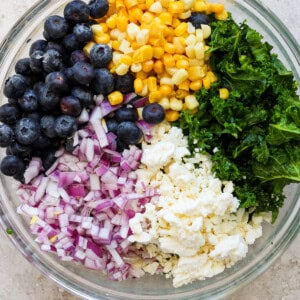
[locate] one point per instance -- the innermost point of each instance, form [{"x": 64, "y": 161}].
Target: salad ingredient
[
  {"x": 70, "y": 105},
  {"x": 84, "y": 95},
  {"x": 56, "y": 27},
  {"x": 196, "y": 219},
  {"x": 9, "y": 113},
  {"x": 15, "y": 86},
  {"x": 29, "y": 101},
  {"x": 98, "y": 8},
  {"x": 52, "y": 61},
  {"x": 129, "y": 133},
  {"x": 47, "y": 124},
  {"x": 83, "y": 33},
  {"x": 103, "y": 82},
  {"x": 12, "y": 165},
  {"x": 124, "y": 83},
  {"x": 77, "y": 12},
  {"x": 153, "y": 113},
  {"x": 198, "y": 19},
  {"x": 65, "y": 126},
  {"x": 83, "y": 72},
  {"x": 126, "y": 114},
  {"x": 57, "y": 82},
  {"x": 100, "y": 55},
  {"x": 252, "y": 134},
  {"x": 23, "y": 66},
  {"x": 6, "y": 135},
  {"x": 27, "y": 130}
]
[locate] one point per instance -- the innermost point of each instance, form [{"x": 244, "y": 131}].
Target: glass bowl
[{"x": 93, "y": 285}]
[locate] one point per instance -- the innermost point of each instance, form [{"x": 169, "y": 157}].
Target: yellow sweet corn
[
  {"x": 142, "y": 54},
  {"x": 138, "y": 85},
  {"x": 115, "y": 98},
  {"x": 196, "y": 85},
  {"x": 176, "y": 7},
  {"x": 172, "y": 115},
  {"x": 223, "y": 93},
  {"x": 87, "y": 48},
  {"x": 164, "y": 102},
  {"x": 155, "y": 96},
  {"x": 152, "y": 84},
  {"x": 191, "y": 102},
  {"x": 176, "y": 104}
]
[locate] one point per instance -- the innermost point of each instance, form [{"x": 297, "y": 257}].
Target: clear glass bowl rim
[{"x": 283, "y": 239}]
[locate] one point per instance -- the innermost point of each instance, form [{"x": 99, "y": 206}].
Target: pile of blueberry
[{"x": 52, "y": 86}]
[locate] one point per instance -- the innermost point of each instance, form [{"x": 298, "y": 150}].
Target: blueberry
[
  {"x": 76, "y": 56},
  {"x": 52, "y": 61},
  {"x": 48, "y": 159},
  {"x": 56, "y": 27},
  {"x": 15, "y": 86},
  {"x": 55, "y": 46},
  {"x": 57, "y": 82},
  {"x": 129, "y": 133},
  {"x": 12, "y": 165},
  {"x": 84, "y": 95},
  {"x": 103, "y": 83},
  {"x": 70, "y": 43},
  {"x": 77, "y": 12},
  {"x": 98, "y": 8},
  {"x": 83, "y": 72},
  {"x": 100, "y": 55},
  {"x": 30, "y": 80},
  {"x": 27, "y": 130},
  {"x": 70, "y": 75},
  {"x": 124, "y": 83},
  {"x": 197, "y": 19},
  {"x": 112, "y": 125},
  {"x": 65, "y": 126},
  {"x": 126, "y": 114},
  {"x": 33, "y": 115},
  {"x": 38, "y": 86},
  {"x": 23, "y": 66},
  {"x": 9, "y": 114},
  {"x": 69, "y": 145},
  {"x": 29, "y": 101},
  {"x": 6, "y": 135},
  {"x": 47, "y": 124},
  {"x": 71, "y": 106},
  {"x": 49, "y": 100},
  {"x": 36, "y": 61},
  {"x": 38, "y": 45},
  {"x": 83, "y": 33},
  {"x": 153, "y": 113},
  {"x": 12, "y": 101},
  {"x": 42, "y": 142},
  {"x": 19, "y": 150}
]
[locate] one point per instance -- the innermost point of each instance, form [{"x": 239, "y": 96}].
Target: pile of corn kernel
[{"x": 167, "y": 54}]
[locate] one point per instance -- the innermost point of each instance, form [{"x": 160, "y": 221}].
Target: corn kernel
[
  {"x": 172, "y": 115},
  {"x": 176, "y": 104},
  {"x": 176, "y": 22},
  {"x": 171, "y": 71},
  {"x": 87, "y": 48},
  {"x": 191, "y": 102},
  {"x": 147, "y": 66},
  {"x": 216, "y": 7},
  {"x": 184, "y": 86},
  {"x": 34, "y": 219},
  {"x": 126, "y": 59},
  {"x": 180, "y": 76},
  {"x": 181, "y": 29},
  {"x": 200, "y": 6},
  {"x": 97, "y": 29},
  {"x": 212, "y": 77},
  {"x": 223, "y": 93},
  {"x": 111, "y": 22},
  {"x": 155, "y": 96},
  {"x": 176, "y": 7},
  {"x": 142, "y": 54},
  {"x": 206, "y": 82},
  {"x": 222, "y": 16},
  {"x": 158, "y": 67},
  {"x": 130, "y": 3},
  {"x": 138, "y": 85},
  {"x": 53, "y": 239},
  {"x": 165, "y": 90},
  {"x": 135, "y": 14},
  {"x": 122, "y": 23},
  {"x": 102, "y": 39},
  {"x": 166, "y": 18},
  {"x": 169, "y": 48},
  {"x": 166, "y": 80},
  {"x": 115, "y": 45},
  {"x": 191, "y": 40},
  {"x": 169, "y": 60},
  {"x": 145, "y": 89},
  {"x": 181, "y": 94},
  {"x": 122, "y": 69},
  {"x": 199, "y": 50},
  {"x": 156, "y": 7},
  {"x": 147, "y": 18},
  {"x": 196, "y": 85},
  {"x": 206, "y": 29},
  {"x": 136, "y": 68},
  {"x": 190, "y": 51},
  {"x": 158, "y": 52},
  {"x": 142, "y": 36},
  {"x": 185, "y": 15},
  {"x": 182, "y": 64},
  {"x": 179, "y": 43},
  {"x": 195, "y": 73},
  {"x": 149, "y": 3},
  {"x": 164, "y": 102},
  {"x": 141, "y": 75},
  {"x": 115, "y": 98}
]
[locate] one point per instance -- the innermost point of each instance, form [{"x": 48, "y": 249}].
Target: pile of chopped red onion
[{"x": 80, "y": 209}]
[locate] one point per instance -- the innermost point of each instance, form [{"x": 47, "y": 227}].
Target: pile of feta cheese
[{"x": 195, "y": 228}]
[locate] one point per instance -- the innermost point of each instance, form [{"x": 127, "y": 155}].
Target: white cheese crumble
[{"x": 195, "y": 228}]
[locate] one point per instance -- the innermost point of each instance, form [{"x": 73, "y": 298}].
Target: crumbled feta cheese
[{"x": 194, "y": 229}]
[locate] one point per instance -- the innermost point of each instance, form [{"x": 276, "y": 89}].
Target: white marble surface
[{"x": 21, "y": 281}]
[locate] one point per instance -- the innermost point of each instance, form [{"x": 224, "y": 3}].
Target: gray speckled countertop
[{"x": 20, "y": 280}]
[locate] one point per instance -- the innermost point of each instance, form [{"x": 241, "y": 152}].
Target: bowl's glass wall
[{"x": 92, "y": 285}]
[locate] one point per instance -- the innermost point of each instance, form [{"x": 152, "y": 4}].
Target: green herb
[
  {"x": 257, "y": 129},
  {"x": 9, "y": 231}
]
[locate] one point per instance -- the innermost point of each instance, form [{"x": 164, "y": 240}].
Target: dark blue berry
[
  {"x": 12, "y": 101},
  {"x": 56, "y": 27},
  {"x": 83, "y": 33},
  {"x": 49, "y": 100},
  {"x": 153, "y": 113},
  {"x": 19, "y": 150},
  {"x": 197, "y": 19},
  {"x": 52, "y": 61},
  {"x": 76, "y": 56},
  {"x": 77, "y": 12},
  {"x": 71, "y": 106},
  {"x": 42, "y": 142},
  {"x": 38, "y": 45},
  {"x": 27, "y": 130},
  {"x": 84, "y": 95},
  {"x": 36, "y": 61},
  {"x": 57, "y": 82},
  {"x": 70, "y": 75},
  {"x": 48, "y": 159},
  {"x": 69, "y": 145},
  {"x": 98, "y": 8},
  {"x": 55, "y": 46},
  {"x": 23, "y": 66},
  {"x": 129, "y": 133},
  {"x": 12, "y": 165},
  {"x": 124, "y": 83},
  {"x": 100, "y": 55},
  {"x": 65, "y": 126},
  {"x": 83, "y": 72},
  {"x": 112, "y": 125},
  {"x": 121, "y": 146},
  {"x": 29, "y": 101},
  {"x": 126, "y": 114},
  {"x": 9, "y": 113},
  {"x": 103, "y": 83},
  {"x": 70, "y": 43},
  {"x": 47, "y": 124},
  {"x": 15, "y": 86},
  {"x": 6, "y": 135},
  {"x": 33, "y": 115}
]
